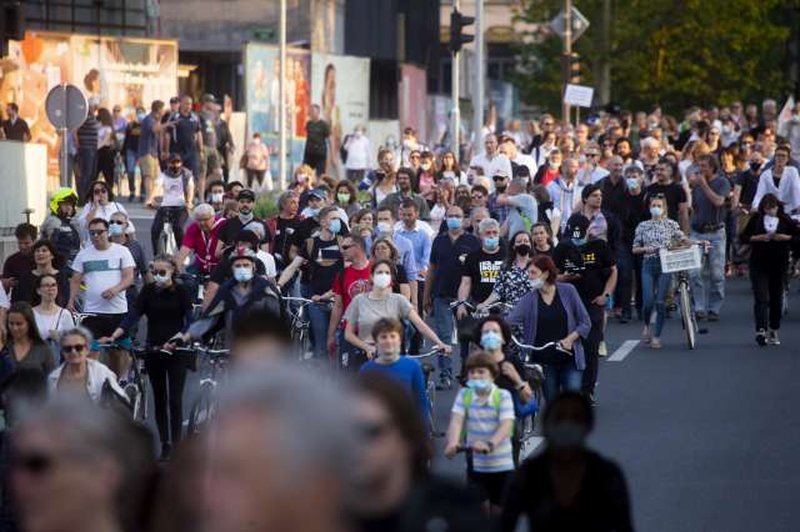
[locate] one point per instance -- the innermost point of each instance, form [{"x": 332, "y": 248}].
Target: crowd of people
[{"x": 546, "y": 236}]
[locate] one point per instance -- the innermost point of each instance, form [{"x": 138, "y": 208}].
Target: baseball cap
[
  {"x": 208, "y": 98},
  {"x": 246, "y": 193},
  {"x": 175, "y": 157},
  {"x": 577, "y": 226},
  {"x": 318, "y": 193}
]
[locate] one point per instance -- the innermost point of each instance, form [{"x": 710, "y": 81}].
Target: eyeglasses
[
  {"x": 74, "y": 348},
  {"x": 499, "y": 177},
  {"x": 96, "y": 232},
  {"x": 116, "y": 222},
  {"x": 162, "y": 273},
  {"x": 100, "y": 191},
  {"x": 35, "y": 463}
]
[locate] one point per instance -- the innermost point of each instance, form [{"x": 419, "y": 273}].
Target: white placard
[{"x": 579, "y": 95}]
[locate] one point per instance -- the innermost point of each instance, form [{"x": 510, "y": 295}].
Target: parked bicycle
[{"x": 430, "y": 389}]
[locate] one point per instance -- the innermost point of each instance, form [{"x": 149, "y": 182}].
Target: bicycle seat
[{"x": 427, "y": 369}]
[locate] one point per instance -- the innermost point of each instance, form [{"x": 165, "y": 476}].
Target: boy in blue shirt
[{"x": 388, "y": 336}]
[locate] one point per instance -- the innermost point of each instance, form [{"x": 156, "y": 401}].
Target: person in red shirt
[
  {"x": 201, "y": 237},
  {"x": 353, "y": 280}
]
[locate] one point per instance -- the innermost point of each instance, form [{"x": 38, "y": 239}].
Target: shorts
[
  {"x": 210, "y": 162},
  {"x": 149, "y": 165},
  {"x": 102, "y": 324},
  {"x": 490, "y": 486}
]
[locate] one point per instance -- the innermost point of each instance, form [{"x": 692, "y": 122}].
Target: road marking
[
  {"x": 623, "y": 351},
  {"x": 529, "y": 446}
]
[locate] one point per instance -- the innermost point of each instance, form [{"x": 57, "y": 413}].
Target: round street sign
[{"x": 66, "y": 107}]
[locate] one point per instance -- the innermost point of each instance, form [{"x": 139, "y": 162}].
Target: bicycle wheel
[
  {"x": 687, "y": 316},
  {"x": 203, "y": 410},
  {"x": 431, "y": 393}
]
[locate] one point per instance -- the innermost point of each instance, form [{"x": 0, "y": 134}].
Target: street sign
[
  {"x": 66, "y": 107},
  {"x": 579, "y": 24},
  {"x": 579, "y": 95}
]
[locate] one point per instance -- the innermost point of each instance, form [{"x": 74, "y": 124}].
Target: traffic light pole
[
  {"x": 281, "y": 184},
  {"x": 455, "y": 112},
  {"x": 565, "y": 111},
  {"x": 480, "y": 76}
]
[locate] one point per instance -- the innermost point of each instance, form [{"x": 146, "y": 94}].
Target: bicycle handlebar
[
  {"x": 469, "y": 449},
  {"x": 432, "y": 352},
  {"x": 307, "y": 301},
  {"x": 548, "y": 345}
]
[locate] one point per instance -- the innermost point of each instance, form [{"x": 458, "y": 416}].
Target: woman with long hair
[
  {"x": 47, "y": 262},
  {"x": 99, "y": 203},
  {"x": 51, "y": 319},
  {"x": 346, "y": 198},
  {"x": 449, "y": 168},
  {"x": 24, "y": 347}
]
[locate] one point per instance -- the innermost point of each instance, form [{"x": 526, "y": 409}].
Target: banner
[
  {"x": 128, "y": 72},
  {"x": 262, "y": 98},
  {"x": 340, "y": 85}
]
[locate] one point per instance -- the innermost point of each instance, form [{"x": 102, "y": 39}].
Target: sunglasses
[
  {"x": 97, "y": 232},
  {"x": 100, "y": 191},
  {"x": 74, "y": 348},
  {"x": 162, "y": 273},
  {"x": 33, "y": 463},
  {"x": 116, "y": 222}
]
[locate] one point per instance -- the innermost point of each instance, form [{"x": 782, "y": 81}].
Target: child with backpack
[{"x": 482, "y": 420}]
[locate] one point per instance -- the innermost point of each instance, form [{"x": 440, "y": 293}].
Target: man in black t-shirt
[
  {"x": 246, "y": 220},
  {"x": 674, "y": 193},
  {"x": 15, "y": 128},
  {"x": 183, "y": 135},
  {"x": 317, "y": 133},
  {"x": 590, "y": 267}
]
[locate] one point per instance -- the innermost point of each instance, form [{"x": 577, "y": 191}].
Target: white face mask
[
  {"x": 382, "y": 280},
  {"x": 536, "y": 284},
  {"x": 770, "y": 223},
  {"x": 217, "y": 197},
  {"x": 161, "y": 280},
  {"x": 384, "y": 227}
]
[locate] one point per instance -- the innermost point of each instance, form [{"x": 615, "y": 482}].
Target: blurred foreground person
[
  {"x": 78, "y": 467},
  {"x": 394, "y": 490},
  {"x": 568, "y": 486},
  {"x": 260, "y": 336},
  {"x": 280, "y": 455}
]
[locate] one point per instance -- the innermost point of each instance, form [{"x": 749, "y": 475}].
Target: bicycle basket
[{"x": 678, "y": 260}]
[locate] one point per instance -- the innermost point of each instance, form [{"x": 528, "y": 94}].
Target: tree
[{"x": 675, "y": 53}]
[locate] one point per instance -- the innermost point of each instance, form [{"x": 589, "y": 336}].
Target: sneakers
[
  {"x": 602, "y": 349},
  {"x": 655, "y": 343},
  {"x": 761, "y": 337},
  {"x": 772, "y": 337},
  {"x": 700, "y": 316},
  {"x": 646, "y": 335},
  {"x": 713, "y": 316}
]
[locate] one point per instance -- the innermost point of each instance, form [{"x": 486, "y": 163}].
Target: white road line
[
  {"x": 623, "y": 351},
  {"x": 530, "y": 445}
]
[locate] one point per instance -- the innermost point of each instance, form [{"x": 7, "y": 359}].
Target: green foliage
[
  {"x": 266, "y": 206},
  {"x": 675, "y": 52}
]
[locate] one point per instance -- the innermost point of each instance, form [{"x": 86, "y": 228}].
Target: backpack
[{"x": 495, "y": 399}]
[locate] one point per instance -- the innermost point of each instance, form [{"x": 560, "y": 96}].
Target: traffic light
[
  {"x": 457, "y": 24},
  {"x": 571, "y": 68},
  {"x": 12, "y": 23}
]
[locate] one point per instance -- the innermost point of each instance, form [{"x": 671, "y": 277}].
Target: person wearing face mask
[
  {"x": 652, "y": 235},
  {"x": 782, "y": 180},
  {"x": 176, "y": 202},
  {"x": 223, "y": 272},
  {"x": 245, "y": 221},
  {"x": 367, "y": 308},
  {"x": 303, "y": 183},
  {"x": 357, "y": 154},
  {"x": 425, "y": 180},
  {"x": 553, "y": 312},
  {"x": 590, "y": 266},
  {"x": 215, "y": 195},
  {"x": 484, "y": 414},
  {"x": 168, "y": 308},
  {"x": 346, "y": 198},
  {"x": 568, "y": 486},
  {"x": 770, "y": 233},
  {"x": 234, "y": 298},
  {"x": 513, "y": 282}
]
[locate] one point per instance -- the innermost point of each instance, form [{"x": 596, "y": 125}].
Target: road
[{"x": 708, "y": 438}]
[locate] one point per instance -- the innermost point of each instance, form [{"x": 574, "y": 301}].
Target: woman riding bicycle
[
  {"x": 176, "y": 203},
  {"x": 651, "y": 236},
  {"x": 554, "y": 312},
  {"x": 168, "y": 308}
]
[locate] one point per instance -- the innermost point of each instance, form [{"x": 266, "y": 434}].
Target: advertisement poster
[
  {"x": 340, "y": 85},
  {"x": 262, "y": 97},
  {"x": 111, "y": 71},
  {"x": 413, "y": 91}
]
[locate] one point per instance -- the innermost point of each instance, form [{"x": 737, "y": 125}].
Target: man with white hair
[
  {"x": 201, "y": 238},
  {"x": 648, "y": 157},
  {"x": 282, "y": 454}
]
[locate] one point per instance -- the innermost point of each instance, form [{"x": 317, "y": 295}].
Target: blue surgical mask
[
  {"x": 656, "y": 212},
  {"x": 479, "y": 385},
  {"x": 580, "y": 241},
  {"x": 454, "y": 223},
  {"x": 115, "y": 230},
  {"x": 242, "y": 275},
  {"x": 632, "y": 183},
  {"x": 491, "y": 242},
  {"x": 491, "y": 340},
  {"x": 335, "y": 226}
]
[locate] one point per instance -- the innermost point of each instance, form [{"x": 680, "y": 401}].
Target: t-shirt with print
[
  {"x": 592, "y": 261},
  {"x": 481, "y": 419},
  {"x": 101, "y": 270},
  {"x": 484, "y": 270},
  {"x": 352, "y": 282},
  {"x": 365, "y": 311},
  {"x": 324, "y": 262}
]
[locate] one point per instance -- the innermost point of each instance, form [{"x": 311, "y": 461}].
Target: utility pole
[
  {"x": 605, "y": 64},
  {"x": 480, "y": 72},
  {"x": 282, "y": 105},
  {"x": 567, "y": 56}
]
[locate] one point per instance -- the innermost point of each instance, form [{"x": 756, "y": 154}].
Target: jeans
[
  {"x": 415, "y": 338},
  {"x": 443, "y": 322},
  {"x": 768, "y": 294},
  {"x": 708, "y": 283},
  {"x": 591, "y": 346},
  {"x": 655, "y": 286},
  {"x": 167, "y": 375},
  {"x": 130, "y": 169},
  {"x": 622, "y": 293},
  {"x": 177, "y": 216},
  {"x": 319, "y": 316},
  {"x": 561, "y": 378},
  {"x": 87, "y": 161}
]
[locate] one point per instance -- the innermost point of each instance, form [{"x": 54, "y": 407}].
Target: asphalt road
[{"x": 708, "y": 438}]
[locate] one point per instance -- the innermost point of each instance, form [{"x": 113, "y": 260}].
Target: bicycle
[
  {"x": 135, "y": 386},
  {"x": 301, "y": 325},
  {"x": 430, "y": 389},
  {"x": 204, "y": 408},
  {"x": 681, "y": 261}
]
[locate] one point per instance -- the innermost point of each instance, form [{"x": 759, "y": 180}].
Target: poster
[
  {"x": 111, "y": 71},
  {"x": 340, "y": 85},
  {"x": 413, "y": 99}
]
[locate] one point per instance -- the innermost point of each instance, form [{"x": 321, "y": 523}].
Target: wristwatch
[{"x": 490, "y": 444}]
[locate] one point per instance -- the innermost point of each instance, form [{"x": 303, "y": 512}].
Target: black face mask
[
  {"x": 500, "y": 187},
  {"x": 523, "y": 249}
]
